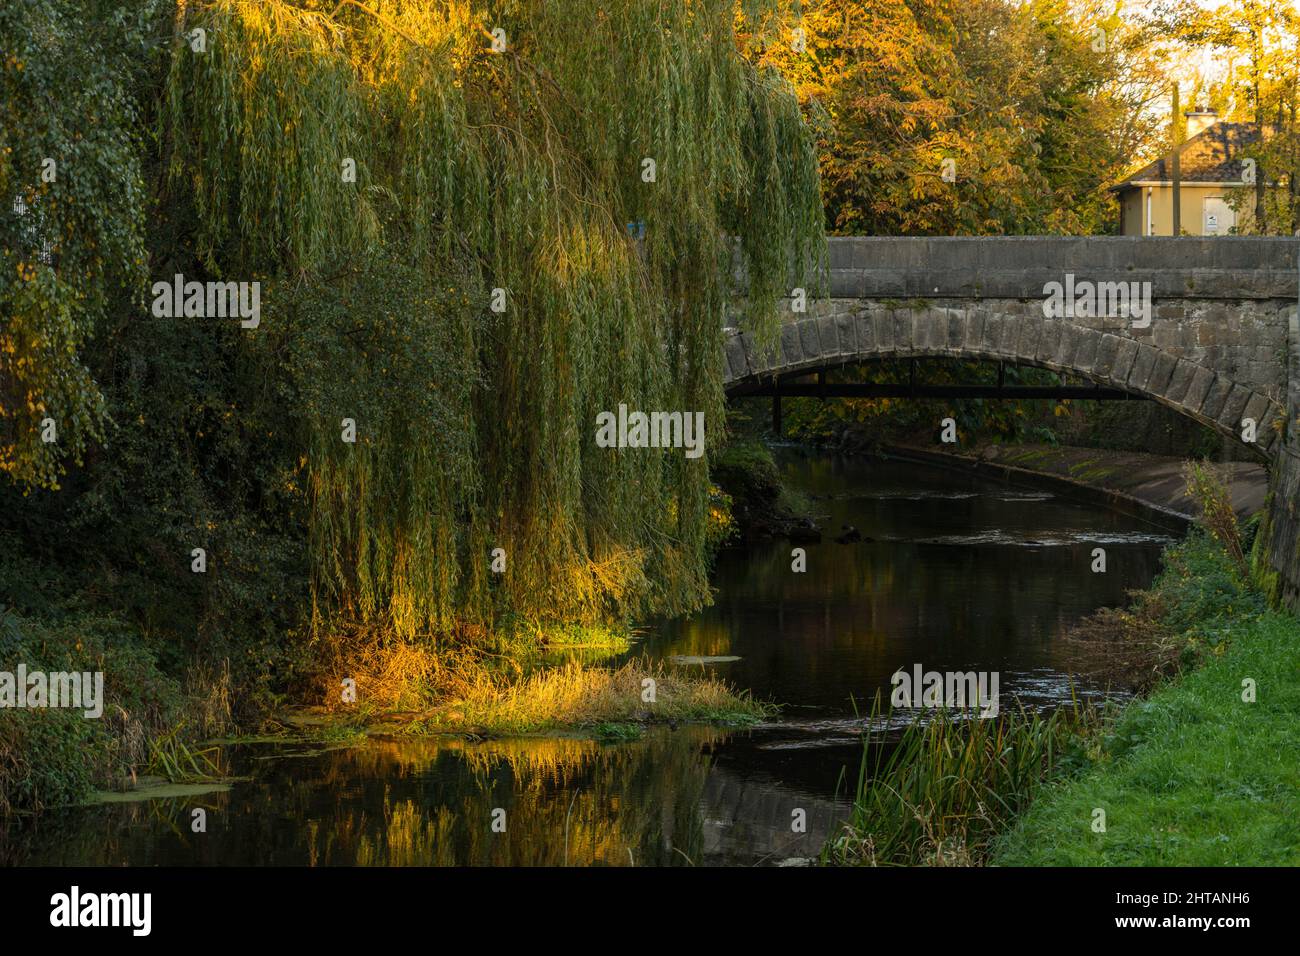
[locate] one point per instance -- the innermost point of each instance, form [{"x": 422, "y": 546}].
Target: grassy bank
[{"x": 1194, "y": 774}]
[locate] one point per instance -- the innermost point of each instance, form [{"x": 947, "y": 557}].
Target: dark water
[{"x": 963, "y": 574}]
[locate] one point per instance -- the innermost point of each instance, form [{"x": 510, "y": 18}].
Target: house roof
[{"x": 1208, "y": 157}]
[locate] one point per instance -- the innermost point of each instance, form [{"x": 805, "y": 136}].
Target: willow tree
[{"x": 393, "y": 170}]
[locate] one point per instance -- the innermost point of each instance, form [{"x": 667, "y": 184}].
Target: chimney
[{"x": 1199, "y": 120}]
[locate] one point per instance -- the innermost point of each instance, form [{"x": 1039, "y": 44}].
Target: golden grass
[
  {"x": 576, "y": 694},
  {"x": 388, "y": 676},
  {"x": 418, "y": 687}
]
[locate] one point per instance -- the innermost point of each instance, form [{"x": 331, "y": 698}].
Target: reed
[
  {"x": 171, "y": 757},
  {"x": 938, "y": 794}
]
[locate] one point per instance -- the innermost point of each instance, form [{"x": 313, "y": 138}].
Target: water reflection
[
  {"x": 953, "y": 572},
  {"x": 656, "y": 801}
]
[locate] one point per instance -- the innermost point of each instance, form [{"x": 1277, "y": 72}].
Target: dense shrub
[{"x": 54, "y": 756}]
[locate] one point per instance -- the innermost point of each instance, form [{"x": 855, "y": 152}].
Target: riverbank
[
  {"x": 1126, "y": 478},
  {"x": 160, "y": 728},
  {"x": 1201, "y": 773},
  {"x": 761, "y": 504}
]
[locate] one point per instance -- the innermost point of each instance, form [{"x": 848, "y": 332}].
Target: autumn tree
[
  {"x": 985, "y": 117},
  {"x": 1261, "y": 40}
]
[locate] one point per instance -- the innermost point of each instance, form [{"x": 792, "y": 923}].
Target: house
[{"x": 1211, "y": 163}]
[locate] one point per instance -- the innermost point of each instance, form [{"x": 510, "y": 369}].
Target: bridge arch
[{"x": 850, "y": 332}]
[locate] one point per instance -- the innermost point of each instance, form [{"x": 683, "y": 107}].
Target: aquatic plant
[
  {"x": 171, "y": 757},
  {"x": 938, "y": 794},
  {"x": 578, "y": 695}
]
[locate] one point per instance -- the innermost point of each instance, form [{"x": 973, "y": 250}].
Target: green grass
[
  {"x": 1193, "y": 775},
  {"x": 576, "y": 636},
  {"x": 615, "y": 732}
]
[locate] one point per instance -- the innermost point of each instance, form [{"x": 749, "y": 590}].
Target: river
[{"x": 956, "y": 572}]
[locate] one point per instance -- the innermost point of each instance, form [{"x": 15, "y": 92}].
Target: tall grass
[
  {"x": 458, "y": 687},
  {"x": 1207, "y": 487},
  {"x": 939, "y": 794}
]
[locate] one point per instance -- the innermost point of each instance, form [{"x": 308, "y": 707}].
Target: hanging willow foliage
[{"x": 478, "y": 170}]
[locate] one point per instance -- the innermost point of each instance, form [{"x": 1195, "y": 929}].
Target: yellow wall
[
  {"x": 1131, "y": 211},
  {"x": 1192, "y": 201}
]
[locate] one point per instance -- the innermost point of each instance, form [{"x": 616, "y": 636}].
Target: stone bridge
[{"x": 1221, "y": 333}]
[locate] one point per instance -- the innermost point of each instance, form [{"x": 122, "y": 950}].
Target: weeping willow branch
[{"x": 475, "y": 429}]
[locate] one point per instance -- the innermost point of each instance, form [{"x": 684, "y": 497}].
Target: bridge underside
[
  {"x": 1118, "y": 365},
  {"x": 904, "y": 390},
  {"x": 802, "y": 385}
]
